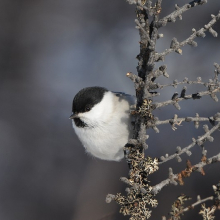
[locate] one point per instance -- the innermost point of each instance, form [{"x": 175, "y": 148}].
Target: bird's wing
[
  {"x": 119, "y": 94},
  {"x": 130, "y": 98}
]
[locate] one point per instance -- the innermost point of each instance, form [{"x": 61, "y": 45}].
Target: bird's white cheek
[
  {"x": 92, "y": 118},
  {"x": 101, "y": 112},
  {"x": 91, "y": 115}
]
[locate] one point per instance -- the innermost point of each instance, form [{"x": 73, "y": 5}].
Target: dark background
[{"x": 49, "y": 50}]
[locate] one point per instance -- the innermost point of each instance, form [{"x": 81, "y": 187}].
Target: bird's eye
[{"x": 88, "y": 108}]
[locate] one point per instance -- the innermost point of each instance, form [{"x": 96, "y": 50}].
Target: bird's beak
[{"x": 73, "y": 116}]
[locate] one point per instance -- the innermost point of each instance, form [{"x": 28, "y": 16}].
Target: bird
[{"x": 102, "y": 121}]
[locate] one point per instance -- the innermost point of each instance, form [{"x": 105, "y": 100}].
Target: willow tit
[{"x": 102, "y": 121}]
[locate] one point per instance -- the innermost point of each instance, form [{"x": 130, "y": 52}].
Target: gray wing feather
[{"x": 130, "y": 98}]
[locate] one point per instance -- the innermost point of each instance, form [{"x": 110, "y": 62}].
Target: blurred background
[{"x": 49, "y": 50}]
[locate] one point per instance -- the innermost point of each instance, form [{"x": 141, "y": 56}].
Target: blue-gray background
[{"x": 49, "y": 50}]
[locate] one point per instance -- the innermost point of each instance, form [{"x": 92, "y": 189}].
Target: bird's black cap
[{"x": 86, "y": 98}]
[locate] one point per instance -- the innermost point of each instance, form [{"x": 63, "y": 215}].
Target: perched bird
[{"x": 102, "y": 121}]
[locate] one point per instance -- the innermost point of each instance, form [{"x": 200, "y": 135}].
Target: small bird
[{"x": 102, "y": 121}]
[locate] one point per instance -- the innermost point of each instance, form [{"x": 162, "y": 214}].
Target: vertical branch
[{"x": 148, "y": 36}]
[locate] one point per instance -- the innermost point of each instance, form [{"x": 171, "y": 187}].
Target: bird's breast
[{"x": 106, "y": 141}]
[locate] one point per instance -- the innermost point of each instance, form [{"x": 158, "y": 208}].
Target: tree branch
[
  {"x": 179, "y": 11},
  {"x": 199, "y": 141},
  {"x": 175, "y": 45},
  {"x": 173, "y": 178}
]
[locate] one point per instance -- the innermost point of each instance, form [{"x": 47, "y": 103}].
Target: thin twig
[
  {"x": 200, "y": 33},
  {"x": 179, "y": 11},
  {"x": 174, "y": 177},
  {"x": 198, "y": 141},
  {"x": 197, "y": 203},
  {"x": 191, "y": 96}
]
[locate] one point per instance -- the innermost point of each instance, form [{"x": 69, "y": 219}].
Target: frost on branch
[{"x": 140, "y": 195}]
